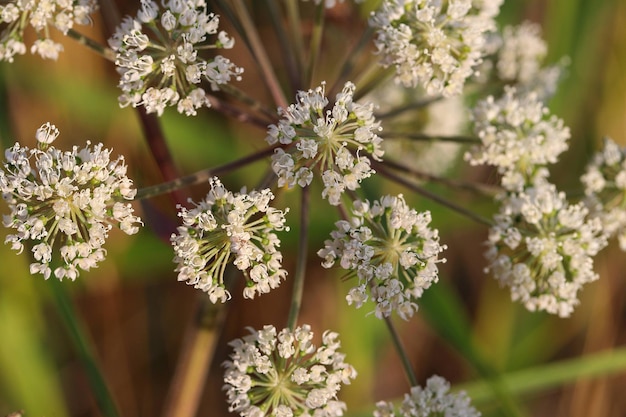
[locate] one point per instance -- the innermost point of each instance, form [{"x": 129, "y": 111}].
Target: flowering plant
[{"x": 343, "y": 185}]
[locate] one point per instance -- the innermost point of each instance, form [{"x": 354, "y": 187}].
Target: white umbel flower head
[
  {"x": 335, "y": 141},
  {"x": 518, "y": 137},
  {"x": 390, "y": 249},
  {"x": 435, "y": 399},
  {"x": 41, "y": 15},
  {"x": 433, "y": 43},
  {"x": 272, "y": 373},
  {"x": 542, "y": 248},
  {"x": 605, "y": 188},
  {"x": 230, "y": 227},
  {"x": 64, "y": 203},
  {"x": 167, "y": 69}
]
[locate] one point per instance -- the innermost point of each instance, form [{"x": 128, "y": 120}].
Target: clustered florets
[
  {"x": 40, "y": 15},
  {"x": 283, "y": 374},
  {"x": 392, "y": 251},
  {"x": 166, "y": 69},
  {"x": 518, "y": 137},
  {"x": 432, "y": 43},
  {"x": 542, "y": 248},
  {"x": 605, "y": 188},
  {"x": 435, "y": 399},
  {"x": 65, "y": 202},
  {"x": 333, "y": 140},
  {"x": 225, "y": 227}
]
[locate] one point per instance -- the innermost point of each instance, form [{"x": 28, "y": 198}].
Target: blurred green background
[{"x": 467, "y": 330}]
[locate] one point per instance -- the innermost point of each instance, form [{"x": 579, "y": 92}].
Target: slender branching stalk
[
  {"x": 260, "y": 54},
  {"x": 430, "y": 138},
  {"x": 200, "y": 176},
  {"x": 298, "y": 281},
  {"x": 382, "y": 169},
  {"x": 316, "y": 41},
  {"x": 397, "y": 344},
  {"x": 103, "y": 51},
  {"x": 78, "y": 336}
]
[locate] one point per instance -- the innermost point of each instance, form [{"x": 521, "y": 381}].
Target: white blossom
[
  {"x": 542, "y": 248},
  {"x": 230, "y": 227},
  {"x": 41, "y": 15},
  {"x": 166, "y": 69},
  {"x": 65, "y": 203},
  {"x": 435, "y": 399},
  {"x": 432, "y": 43},
  {"x": 336, "y": 141},
  {"x": 605, "y": 188},
  {"x": 518, "y": 136},
  {"x": 391, "y": 251},
  {"x": 272, "y": 373}
]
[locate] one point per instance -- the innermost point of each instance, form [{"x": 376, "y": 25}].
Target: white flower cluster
[
  {"x": 332, "y": 140},
  {"x": 165, "y": 70},
  {"x": 542, "y": 248},
  {"x": 516, "y": 57},
  {"x": 40, "y": 15},
  {"x": 433, "y": 43},
  {"x": 521, "y": 53},
  {"x": 227, "y": 227},
  {"x": 605, "y": 188},
  {"x": 433, "y": 400},
  {"x": 283, "y": 374},
  {"x": 518, "y": 137},
  {"x": 65, "y": 201},
  {"x": 392, "y": 251}
]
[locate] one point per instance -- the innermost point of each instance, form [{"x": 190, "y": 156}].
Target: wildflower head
[
  {"x": 542, "y": 248},
  {"x": 335, "y": 141},
  {"x": 230, "y": 227},
  {"x": 390, "y": 249},
  {"x": 518, "y": 137},
  {"x": 435, "y": 399},
  {"x": 435, "y": 44},
  {"x": 605, "y": 188},
  {"x": 284, "y": 374},
  {"x": 63, "y": 203},
  {"x": 41, "y": 15},
  {"x": 167, "y": 69}
]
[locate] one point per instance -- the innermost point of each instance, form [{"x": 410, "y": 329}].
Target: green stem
[
  {"x": 200, "y": 176},
  {"x": 295, "y": 27},
  {"x": 430, "y": 138},
  {"x": 397, "y": 343},
  {"x": 83, "y": 346},
  {"x": 187, "y": 386},
  {"x": 106, "y": 53},
  {"x": 482, "y": 189},
  {"x": 285, "y": 46},
  {"x": 380, "y": 168},
  {"x": 351, "y": 60},
  {"x": 407, "y": 107},
  {"x": 316, "y": 41},
  {"x": 298, "y": 281},
  {"x": 260, "y": 54}
]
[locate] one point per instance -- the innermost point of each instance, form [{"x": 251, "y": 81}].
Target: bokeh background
[{"x": 136, "y": 314}]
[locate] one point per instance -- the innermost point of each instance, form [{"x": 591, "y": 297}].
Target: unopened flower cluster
[
  {"x": 605, "y": 188},
  {"x": 335, "y": 141},
  {"x": 543, "y": 248},
  {"x": 432, "y": 43},
  {"x": 282, "y": 373},
  {"x": 518, "y": 137},
  {"x": 41, "y": 15},
  {"x": 230, "y": 227},
  {"x": 64, "y": 203},
  {"x": 392, "y": 252},
  {"x": 435, "y": 399},
  {"x": 166, "y": 69}
]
